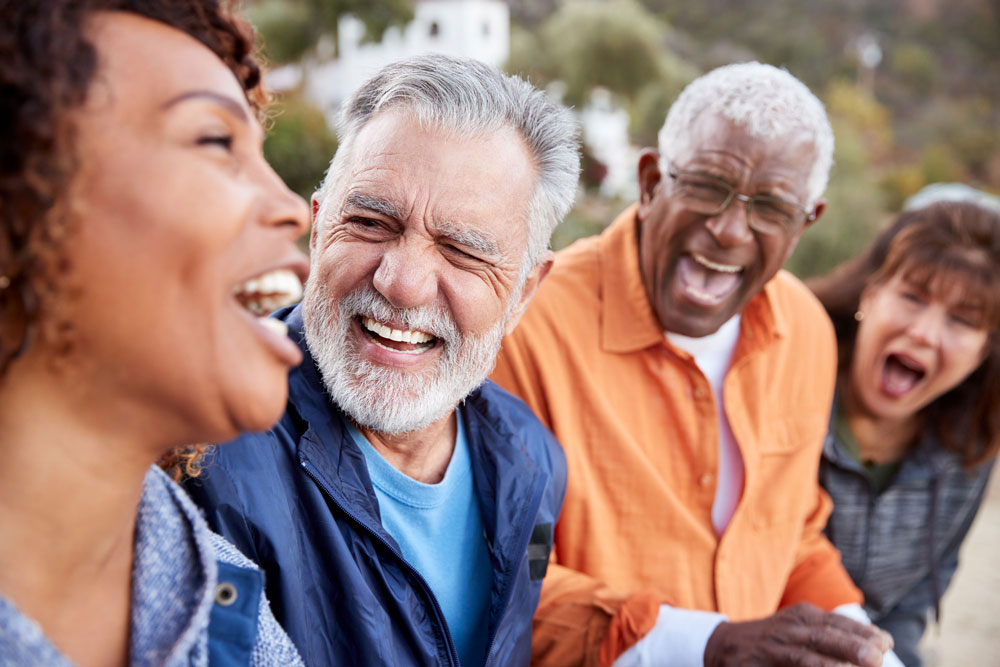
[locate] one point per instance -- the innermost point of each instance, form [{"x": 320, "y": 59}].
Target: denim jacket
[{"x": 196, "y": 600}]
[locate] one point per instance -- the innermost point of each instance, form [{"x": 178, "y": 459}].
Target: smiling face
[
  {"x": 701, "y": 270},
  {"x": 174, "y": 209},
  {"x": 415, "y": 275},
  {"x": 915, "y": 342}
]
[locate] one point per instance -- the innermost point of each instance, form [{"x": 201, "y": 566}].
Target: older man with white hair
[
  {"x": 403, "y": 509},
  {"x": 689, "y": 380}
]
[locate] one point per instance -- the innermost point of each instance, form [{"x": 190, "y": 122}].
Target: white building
[
  {"x": 477, "y": 29},
  {"x": 605, "y": 131}
]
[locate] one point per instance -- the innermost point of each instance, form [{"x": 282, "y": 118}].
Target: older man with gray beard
[{"x": 402, "y": 509}]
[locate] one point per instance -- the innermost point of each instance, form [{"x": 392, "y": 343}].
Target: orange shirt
[{"x": 638, "y": 422}]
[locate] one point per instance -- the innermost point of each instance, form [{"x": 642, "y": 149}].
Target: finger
[
  {"x": 843, "y": 646},
  {"x": 802, "y": 656},
  {"x": 875, "y": 634}
]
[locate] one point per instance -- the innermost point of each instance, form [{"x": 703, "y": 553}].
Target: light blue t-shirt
[{"x": 440, "y": 532}]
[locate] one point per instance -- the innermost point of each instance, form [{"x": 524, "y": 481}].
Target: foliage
[
  {"x": 589, "y": 217},
  {"x": 299, "y": 145},
  {"x": 285, "y": 29},
  {"x": 291, "y": 28},
  {"x": 617, "y": 45},
  {"x": 855, "y": 207}
]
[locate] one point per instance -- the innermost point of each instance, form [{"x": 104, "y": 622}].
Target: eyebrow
[
  {"x": 472, "y": 238},
  {"x": 224, "y": 101},
  {"x": 376, "y": 204}
]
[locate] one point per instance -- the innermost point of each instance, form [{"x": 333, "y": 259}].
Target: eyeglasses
[{"x": 708, "y": 195}]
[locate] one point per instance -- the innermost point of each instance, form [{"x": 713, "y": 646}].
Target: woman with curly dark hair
[
  {"x": 916, "y": 425},
  {"x": 142, "y": 234}
]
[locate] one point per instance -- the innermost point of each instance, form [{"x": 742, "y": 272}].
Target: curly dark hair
[
  {"x": 958, "y": 239},
  {"x": 46, "y": 66}
]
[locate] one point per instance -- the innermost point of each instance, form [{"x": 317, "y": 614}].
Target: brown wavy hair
[
  {"x": 46, "y": 66},
  {"x": 942, "y": 241}
]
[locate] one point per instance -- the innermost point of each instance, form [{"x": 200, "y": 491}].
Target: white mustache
[{"x": 435, "y": 320}]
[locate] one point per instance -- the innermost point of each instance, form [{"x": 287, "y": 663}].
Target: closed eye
[
  {"x": 364, "y": 222},
  {"x": 461, "y": 253},
  {"x": 369, "y": 229},
  {"x": 224, "y": 140},
  {"x": 966, "y": 320}
]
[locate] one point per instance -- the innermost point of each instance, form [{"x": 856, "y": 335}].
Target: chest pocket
[
  {"x": 784, "y": 485},
  {"x": 539, "y": 548}
]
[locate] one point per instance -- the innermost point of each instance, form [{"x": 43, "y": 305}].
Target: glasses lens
[
  {"x": 773, "y": 215},
  {"x": 702, "y": 194}
]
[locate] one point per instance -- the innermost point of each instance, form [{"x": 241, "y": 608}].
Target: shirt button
[{"x": 705, "y": 479}]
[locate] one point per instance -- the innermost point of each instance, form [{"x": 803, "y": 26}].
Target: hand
[{"x": 803, "y": 636}]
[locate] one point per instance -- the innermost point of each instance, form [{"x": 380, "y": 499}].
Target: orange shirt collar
[{"x": 628, "y": 322}]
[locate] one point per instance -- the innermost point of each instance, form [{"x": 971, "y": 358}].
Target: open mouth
[
  {"x": 706, "y": 281},
  {"x": 397, "y": 340},
  {"x": 268, "y": 292},
  {"x": 900, "y": 374}
]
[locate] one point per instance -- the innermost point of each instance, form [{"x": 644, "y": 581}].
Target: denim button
[{"x": 225, "y": 594}]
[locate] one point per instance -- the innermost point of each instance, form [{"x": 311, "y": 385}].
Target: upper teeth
[
  {"x": 722, "y": 268},
  {"x": 269, "y": 291},
  {"x": 396, "y": 334}
]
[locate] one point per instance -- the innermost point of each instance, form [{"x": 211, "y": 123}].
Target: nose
[
  {"x": 927, "y": 326},
  {"x": 283, "y": 207},
  {"x": 731, "y": 227},
  {"x": 406, "y": 274}
]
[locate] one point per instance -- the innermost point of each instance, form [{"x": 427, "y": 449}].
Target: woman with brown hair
[
  {"x": 916, "y": 424},
  {"x": 141, "y": 234}
]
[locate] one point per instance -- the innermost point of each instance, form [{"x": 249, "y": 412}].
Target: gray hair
[
  {"x": 471, "y": 98},
  {"x": 765, "y": 101}
]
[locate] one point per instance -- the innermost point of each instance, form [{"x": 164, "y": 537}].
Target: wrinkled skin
[{"x": 801, "y": 636}]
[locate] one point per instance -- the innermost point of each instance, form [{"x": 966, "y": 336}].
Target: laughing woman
[
  {"x": 135, "y": 207},
  {"x": 916, "y": 424}
]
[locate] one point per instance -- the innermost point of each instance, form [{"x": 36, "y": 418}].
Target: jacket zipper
[
  {"x": 429, "y": 594},
  {"x": 522, "y": 545}
]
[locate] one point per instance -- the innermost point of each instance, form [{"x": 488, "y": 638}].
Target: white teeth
[
  {"x": 270, "y": 291},
  {"x": 709, "y": 264},
  {"x": 415, "y": 337},
  {"x": 276, "y": 326}
]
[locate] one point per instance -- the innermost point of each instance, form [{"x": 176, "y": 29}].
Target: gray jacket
[{"x": 901, "y": 546}]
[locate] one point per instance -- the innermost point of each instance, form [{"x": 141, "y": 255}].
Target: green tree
[
  {"x": 299, "y": 145},
  {"x": 290, "y": 29},
  {"x": 616, "y": 45}
]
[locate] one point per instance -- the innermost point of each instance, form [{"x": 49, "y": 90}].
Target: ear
[
  {"x": 649, "y": 179},
  {"x": 314, "y": 231},
  {"x": 865, "y": 299},
  {"x": 817, "y": 211},
  {"x": 531, "y": 285}
]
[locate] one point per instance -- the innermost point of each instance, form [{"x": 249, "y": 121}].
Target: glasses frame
[{"x": 807, "y": 215}]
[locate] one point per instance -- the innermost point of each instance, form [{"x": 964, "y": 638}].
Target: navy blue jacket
[{"x": 299, "y": 502}]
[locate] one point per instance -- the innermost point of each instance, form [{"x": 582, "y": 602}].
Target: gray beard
[{"x": 390, "y": 400}]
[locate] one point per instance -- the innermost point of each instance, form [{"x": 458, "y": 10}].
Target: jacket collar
[
  {"x": 628, "y": 323},
  {"x": 929, "y": 458}
]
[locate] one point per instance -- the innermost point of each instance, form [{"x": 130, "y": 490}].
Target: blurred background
[{"x": 912, "y": 88}]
